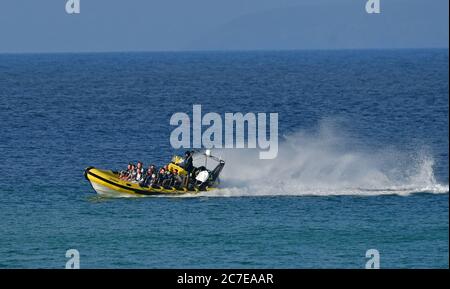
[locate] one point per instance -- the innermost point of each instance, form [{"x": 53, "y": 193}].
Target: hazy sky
[{"x": 147, "y": 25}]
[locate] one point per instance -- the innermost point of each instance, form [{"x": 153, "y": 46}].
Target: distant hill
[{"x": 341, "y": 24}]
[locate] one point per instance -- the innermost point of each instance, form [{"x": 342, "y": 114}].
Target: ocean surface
[{"x": 362, "y": 161}]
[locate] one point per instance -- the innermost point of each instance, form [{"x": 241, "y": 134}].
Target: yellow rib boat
[{"x": 107, "y": 183}]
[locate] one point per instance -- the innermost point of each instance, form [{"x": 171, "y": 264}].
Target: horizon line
[{"x": 217, "y": 50}]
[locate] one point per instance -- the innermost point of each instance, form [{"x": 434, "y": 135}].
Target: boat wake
[{"x": 323, "y": 163}]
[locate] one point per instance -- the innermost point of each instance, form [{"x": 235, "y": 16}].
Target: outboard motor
[
  {"x": 216, "y": 172},
  {"x": 202, "y": 176},
  {"x": 205, "y": 178}
]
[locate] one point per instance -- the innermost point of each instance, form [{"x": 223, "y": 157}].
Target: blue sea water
[{"x": 362, "y": 163}]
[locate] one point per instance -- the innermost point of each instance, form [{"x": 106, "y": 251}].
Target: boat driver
[{"x": 187, "y": 163}]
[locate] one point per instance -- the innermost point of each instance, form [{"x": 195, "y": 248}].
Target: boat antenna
[{"x": 207, "y": 154}]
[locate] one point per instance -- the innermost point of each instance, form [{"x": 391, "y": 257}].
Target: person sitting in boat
[
  {"x": 124, "y": 174},
  {"x": 139, "y": 176},
  {"x": 132, "y": 174},
  {"x": 149, "y": 180},
  {"x": 177, "y": 180},
  {"x": 150, "y": 171},
  {"x": 150, "y": 176},
  {"x": 140, "y": 167},
  {"x": 160, "y": 177},
  {"x": 167, "y": 181}
]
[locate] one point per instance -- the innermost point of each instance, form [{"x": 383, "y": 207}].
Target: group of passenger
[
  {"x": 163, "y": 177},
  {"x": 133, "y": 172}
]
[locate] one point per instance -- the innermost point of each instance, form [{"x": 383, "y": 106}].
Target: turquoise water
[{"x": 362, "y": 163}]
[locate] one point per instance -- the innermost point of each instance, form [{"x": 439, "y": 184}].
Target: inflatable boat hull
[{"x": 107, "y": 183}]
